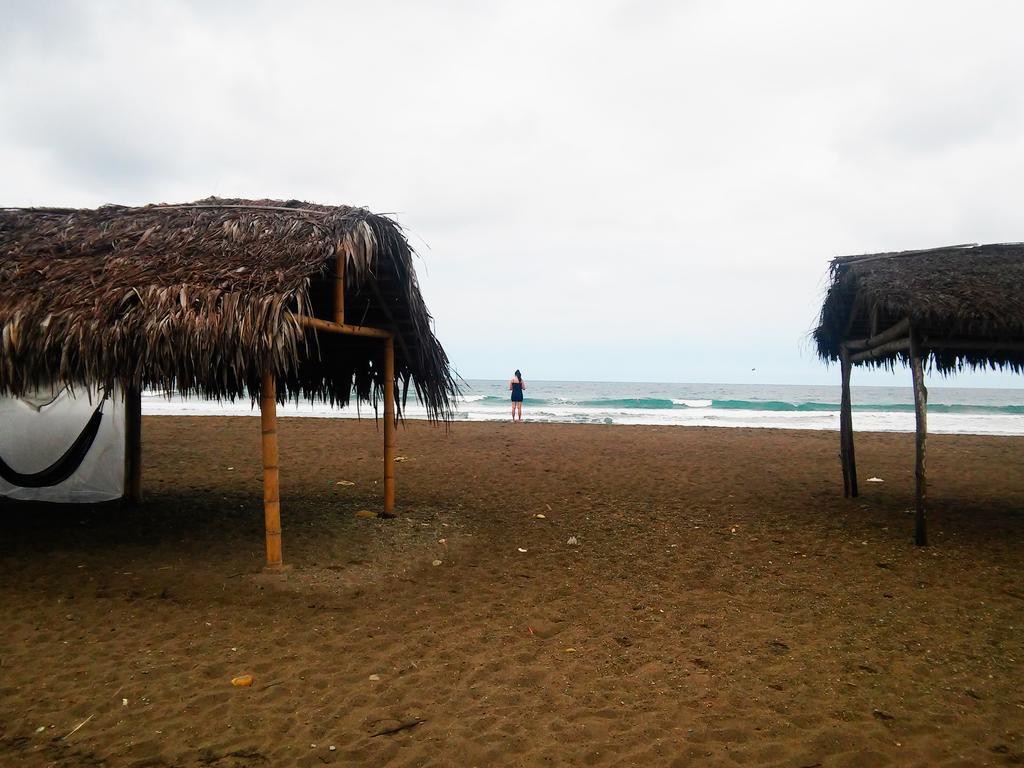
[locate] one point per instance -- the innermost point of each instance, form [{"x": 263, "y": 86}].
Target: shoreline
[{"x": 936, "y": 424}]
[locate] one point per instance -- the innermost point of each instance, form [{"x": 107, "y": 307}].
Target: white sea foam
[{"x": 560, "y": 402}]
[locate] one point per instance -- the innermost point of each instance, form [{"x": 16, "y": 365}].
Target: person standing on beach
[{"x": 517, "y": 385}]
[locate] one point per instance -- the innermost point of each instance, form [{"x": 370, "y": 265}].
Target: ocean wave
[
  {"x": 711, "y": 405},
  {"x": 779, "y": 405},
  {"x": 774, "y": 406}
]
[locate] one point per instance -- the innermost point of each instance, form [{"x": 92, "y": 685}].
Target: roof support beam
[
  {"x": 973, "y": 344},
  {"x": 883, "y": 350},
  {"x": 903, "y": 345},
  {"x": 896, "y": 331},
  {"x": 348, "y": 330}
]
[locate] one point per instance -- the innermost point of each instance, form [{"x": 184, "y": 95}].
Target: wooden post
[
  {"x": 339, "y": 288},
  {"x": 921, "y": 436},
  {"x": 133, "y": 445},
  {"x": 846, "y": 429},
  {"x": 389, "y": 427},
  {"x": 843, "y": 458},
  {"x": 271, "y": 486}
]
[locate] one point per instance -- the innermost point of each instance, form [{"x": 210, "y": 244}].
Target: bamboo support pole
[
  {"x": 389, "y": 427},
  {"x": 843, "y": 458},
  {"x": 271, "y": 485},
  {"x": 133, "y": 445},
  {"x": 921, "y": 436},
  {"x": 389, "y": 399},
  {"x": 339, "y": 288},
  {"x": 846, "y": 431}
]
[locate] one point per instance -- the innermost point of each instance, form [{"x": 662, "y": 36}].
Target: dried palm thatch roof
[
  {"x": 199, "y": 298},
  {"x": 965, "y": 303}
]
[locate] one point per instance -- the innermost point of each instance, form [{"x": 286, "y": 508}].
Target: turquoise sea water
[
  {"x": 951, "y": 409},
  {"x": 981, "y": 411}
]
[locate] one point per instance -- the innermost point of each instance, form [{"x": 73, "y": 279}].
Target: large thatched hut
[
  {"x": 221, "y": 299},
  {"x": 948, "y": 308}
]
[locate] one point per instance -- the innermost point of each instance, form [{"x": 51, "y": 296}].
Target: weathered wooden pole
[
  {"x": 846, "y": 429},
  {"x": 844, "y": 360},
  {"x": 271, "y": 485},
  {"x": 133, "y": 445},
  {"x": 842, "y": 453},
  {"x": 921, "y": 436},
  {"x": 389, "y": 427}
]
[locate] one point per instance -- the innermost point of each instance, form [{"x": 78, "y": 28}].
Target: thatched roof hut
[
  {"x": 203, "y": 298},
  {"x": 965, "y": 302},
  {"x": 220, "y": 298},
  {"x": 951, "y": 308}
]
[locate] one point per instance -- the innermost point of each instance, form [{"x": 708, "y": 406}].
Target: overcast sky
[{"x": 645, "y": 191}]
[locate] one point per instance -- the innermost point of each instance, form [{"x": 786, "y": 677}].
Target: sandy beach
[{"x": 724, "y": 604}]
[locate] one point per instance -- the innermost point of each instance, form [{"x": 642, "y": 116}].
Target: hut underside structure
[
  {"x": 223, "y": 299},
  {"x": 945, "y": 308}
]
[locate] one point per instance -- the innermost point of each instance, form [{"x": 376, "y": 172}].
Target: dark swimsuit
[{"x": 517, "y": 392}]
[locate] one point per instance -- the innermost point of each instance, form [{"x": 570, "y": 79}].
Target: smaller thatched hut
[
  {"x": 949, "y": 308},
  {"x": 264, "y": 299}
]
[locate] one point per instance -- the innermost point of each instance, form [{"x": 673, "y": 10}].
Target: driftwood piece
[
  {"x": 77, "y": 727},
  {"x": 405, "y": 724}
]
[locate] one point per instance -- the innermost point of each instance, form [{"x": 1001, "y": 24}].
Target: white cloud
[{"x": 654, "y": 188}]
